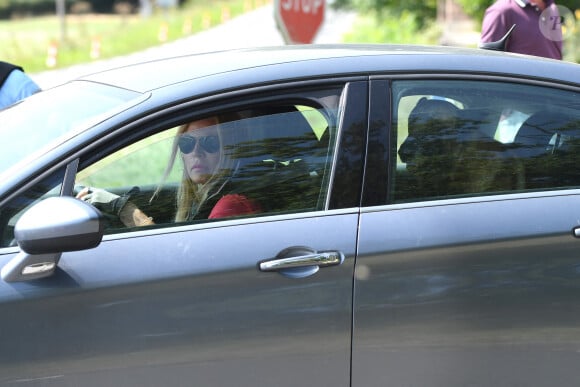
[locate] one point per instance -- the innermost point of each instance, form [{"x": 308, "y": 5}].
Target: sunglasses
[{"x": 209, "y": 144}]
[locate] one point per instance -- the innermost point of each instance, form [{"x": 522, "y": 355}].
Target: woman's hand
[
  {"x": 105, "y": 201},
  {"x": 119, "y": 206}
]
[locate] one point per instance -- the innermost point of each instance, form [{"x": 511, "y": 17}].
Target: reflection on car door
[
  {"x": 189, "y": 305},
  {"x": 468, "y": 294},
  {"x": 473, "y": 289}
]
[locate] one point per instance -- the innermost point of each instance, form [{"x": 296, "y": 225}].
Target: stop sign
[{"x": 299, "y": 20}]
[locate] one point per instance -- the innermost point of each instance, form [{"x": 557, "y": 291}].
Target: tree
[
  {"x": 424, "y": 10},
  {"x": 427, "y": 10}
]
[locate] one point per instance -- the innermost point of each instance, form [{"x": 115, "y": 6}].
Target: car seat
[
  {"x": 282, "y": 162},
  {"x": 547, "y": 146},
  {"x": 429, "y": 150},
  {"x": 484, "y": 164}
]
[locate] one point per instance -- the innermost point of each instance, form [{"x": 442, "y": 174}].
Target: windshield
[{"x": 39, "y": 122}]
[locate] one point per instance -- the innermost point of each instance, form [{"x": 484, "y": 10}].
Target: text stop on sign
[
  {"x": 304, "y": 6},
  {"x": 299, "y": 20}
]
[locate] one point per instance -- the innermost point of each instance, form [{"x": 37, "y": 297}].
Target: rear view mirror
[{"x": 47, "y": 229}]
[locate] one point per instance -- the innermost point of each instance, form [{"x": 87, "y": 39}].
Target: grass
[
  {"x": 30, "y": 42},
  {"x": 369, "y": 28}
]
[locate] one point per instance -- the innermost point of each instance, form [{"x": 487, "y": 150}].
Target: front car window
[
  {"x": 268, "y": 158},
  {"x": 59, "y": 113},
  {"x": 464, "y": 138}
]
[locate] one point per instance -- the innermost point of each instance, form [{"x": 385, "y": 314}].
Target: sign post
[{"x": 299, "y": 20}]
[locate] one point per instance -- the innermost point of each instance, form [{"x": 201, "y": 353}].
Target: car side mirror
[
  {"x": 49, "y": 228},
  {"x": 499, "y": 45}
]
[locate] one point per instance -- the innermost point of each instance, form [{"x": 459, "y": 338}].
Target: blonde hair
[{"x": 192, "y": 196}]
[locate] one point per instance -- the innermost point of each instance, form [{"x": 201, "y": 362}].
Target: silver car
[{"x": 416, "y": 223}]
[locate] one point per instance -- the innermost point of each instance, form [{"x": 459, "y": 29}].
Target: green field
[{"x": 41, "y": 43}]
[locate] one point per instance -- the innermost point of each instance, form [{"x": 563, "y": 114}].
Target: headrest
[{"x": 431, "y": 115}]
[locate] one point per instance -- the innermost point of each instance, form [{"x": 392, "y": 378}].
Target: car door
[
  {"x": 258, "y": 299},
  {"x": 467, "y": 272}
]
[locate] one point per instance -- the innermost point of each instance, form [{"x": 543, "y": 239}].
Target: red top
[{"x": 234, "y": 205}]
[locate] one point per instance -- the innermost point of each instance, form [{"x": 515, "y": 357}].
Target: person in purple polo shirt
[{"x": 538, "y": 26}]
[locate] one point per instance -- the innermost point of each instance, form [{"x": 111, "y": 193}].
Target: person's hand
[{"x": 105, "y": 201}]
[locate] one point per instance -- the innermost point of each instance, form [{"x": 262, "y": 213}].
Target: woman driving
[{"x": 207, "y": 169}]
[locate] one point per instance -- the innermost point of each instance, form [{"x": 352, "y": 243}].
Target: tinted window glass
[
  {"x": 59, "y": 113},
  {"x": 13, "y": 210},
  {"x": 272, "y": 158},
  {"x": 469, "y": 138}
]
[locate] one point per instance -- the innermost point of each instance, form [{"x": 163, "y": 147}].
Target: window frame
[
  {"x": 383, "y": 188},
  {"x": 233, "y": 101}
]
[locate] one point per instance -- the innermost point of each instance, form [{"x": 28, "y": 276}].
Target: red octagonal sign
[{"x": 299, "y": 20}]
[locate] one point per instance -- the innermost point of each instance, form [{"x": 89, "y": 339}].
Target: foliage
[
  {"x": 424, "y": 10},
  {"x": 572, "y": 5},
  {"x": 19, "y": 8},
  {"x": 475, "y": 8},
  {"x": 370, "y": 28}
]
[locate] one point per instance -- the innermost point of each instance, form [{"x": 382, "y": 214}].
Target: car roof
[{"x": 307, "y": 61}]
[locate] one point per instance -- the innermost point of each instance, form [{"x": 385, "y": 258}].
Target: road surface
[{"x": 253, "y": 29}]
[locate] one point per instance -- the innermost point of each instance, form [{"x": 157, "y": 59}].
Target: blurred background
[{"x": 47, "y": 35}]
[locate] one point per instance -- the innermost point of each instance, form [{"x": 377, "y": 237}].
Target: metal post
[{"x": 61, "y": 13}]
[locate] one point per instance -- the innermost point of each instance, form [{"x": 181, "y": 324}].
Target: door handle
[{"x": 300, "y": 261}]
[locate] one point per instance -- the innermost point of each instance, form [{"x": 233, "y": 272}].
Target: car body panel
[
  {"x": 445, "y": 286},
  {"x": 170, "y": 306},
  {"x": 310, "y": 61}
]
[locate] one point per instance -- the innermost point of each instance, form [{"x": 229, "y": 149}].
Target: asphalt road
[{"x": 253, "y": 29}]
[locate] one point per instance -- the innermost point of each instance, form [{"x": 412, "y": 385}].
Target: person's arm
[
  {"x": 18, "y": 86},
  {"x": 234, "y": 205},
  {"x": 112, "y": 204},
  {"x": 132, "y": 216},
  {"x": 494, "y": 25}
]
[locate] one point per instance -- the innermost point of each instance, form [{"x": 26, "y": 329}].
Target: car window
[
  {"x": 60, "y": 113},
  {"x": 270, "y": 158},
  {"x": 13, "y": 210},
  {"x": 463, "y": 138}
]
